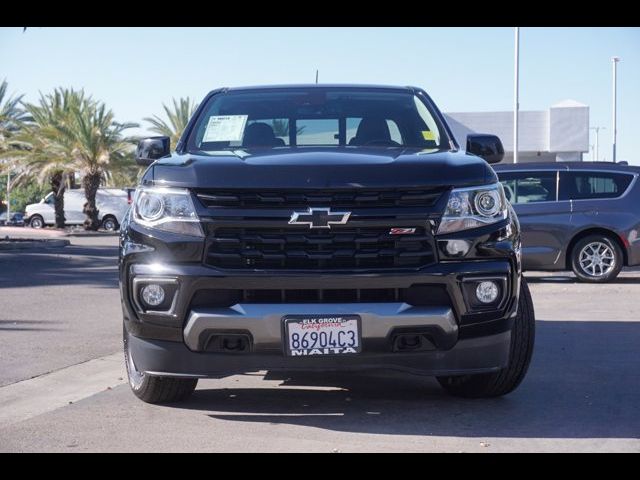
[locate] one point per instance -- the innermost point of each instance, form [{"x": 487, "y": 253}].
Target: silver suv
[{"x": 580, "y": 216}]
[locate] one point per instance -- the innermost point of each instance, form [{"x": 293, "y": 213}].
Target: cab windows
[{"x": 317, "y": 117}]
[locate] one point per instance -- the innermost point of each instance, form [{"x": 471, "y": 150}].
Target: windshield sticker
[
  {"x": 428, "y": 135},
  {"x": 225, "y": 128}
]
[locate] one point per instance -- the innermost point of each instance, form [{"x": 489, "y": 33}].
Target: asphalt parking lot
[{"x": 62, "y": 384}]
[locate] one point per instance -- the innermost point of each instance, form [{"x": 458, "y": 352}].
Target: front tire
[
  {"x": 596, "y": 259},
  {"x": 36, "y": 222},
  {"x": 110, "y": 224},
  {"x": 155, "y": 389},
  {"x": 486, "y": 385}
]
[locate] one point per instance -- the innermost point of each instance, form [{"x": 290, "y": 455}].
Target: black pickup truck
[{"x": 322, "y": 227}]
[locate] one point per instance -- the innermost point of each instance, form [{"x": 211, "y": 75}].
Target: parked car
[
  {"x": 16, "y": 220},
  {"x": 112, "y": 204},
  {"x": 322, "y": 228},
  {"x": 580, "y": 216}
]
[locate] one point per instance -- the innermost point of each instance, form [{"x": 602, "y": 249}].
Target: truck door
[{"x": 47, "y": 209}]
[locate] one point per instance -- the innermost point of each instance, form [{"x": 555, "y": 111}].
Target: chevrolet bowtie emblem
[{"x": 319, "y": 218}]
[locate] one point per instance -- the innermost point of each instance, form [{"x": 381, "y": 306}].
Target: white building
[{"x": 558, "y": 134}]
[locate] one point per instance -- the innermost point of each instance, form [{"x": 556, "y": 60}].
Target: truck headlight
[
  {"x": 473, "y": 207},
  {"x": 168, "y": 209}
]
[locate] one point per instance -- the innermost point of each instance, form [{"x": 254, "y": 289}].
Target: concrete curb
[
  {"x": 91, "y": 234},
  {"x": 45, "y": 393},
  {"x": 30, "y": 244}
]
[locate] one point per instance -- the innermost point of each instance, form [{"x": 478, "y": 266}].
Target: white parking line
[{"x": 23, "y": 400}]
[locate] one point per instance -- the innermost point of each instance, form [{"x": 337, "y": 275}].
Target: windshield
[{"x": 331, "y": 117}]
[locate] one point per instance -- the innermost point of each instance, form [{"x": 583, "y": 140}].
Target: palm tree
[
  {"x": 44, "y": 154},
  {"x": 97, "y": 141},
  {"x": 178, "y": 117},
  {"x": 73, "y": 133},
  {"x": 123, "y": 172},
  {"x": 12, "y": 116},
  {"x": 11, "y": 119}
]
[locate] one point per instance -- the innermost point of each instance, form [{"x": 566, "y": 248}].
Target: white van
[{"x": 112, "y": 204}]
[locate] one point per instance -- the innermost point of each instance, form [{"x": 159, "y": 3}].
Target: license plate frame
[{"x": 329, "y": 326}]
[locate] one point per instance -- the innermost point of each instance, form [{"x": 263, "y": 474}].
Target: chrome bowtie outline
[{"x": 319, "y": 218}]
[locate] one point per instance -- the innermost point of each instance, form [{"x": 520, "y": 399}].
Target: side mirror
[
  {"x": 486, "y": 146},
  {"x": 152, "y": 148}
]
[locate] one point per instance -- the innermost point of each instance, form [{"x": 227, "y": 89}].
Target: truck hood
[{"x": 304, "y": 167}]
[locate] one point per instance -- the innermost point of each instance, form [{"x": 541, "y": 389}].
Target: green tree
[
  {"x": 12, "y": 115},
  {"x": 98, "y": 141},
  {"x": 23, "y": 195},
  {"x": 123, "y": 172},
  {"x": 177, "y": 119},
  {"x": 70, "y": 132},
  {"x": 43, "y": 151}
]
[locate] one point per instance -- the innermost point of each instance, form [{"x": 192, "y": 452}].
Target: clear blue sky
[{"x": 135, "y": 70}]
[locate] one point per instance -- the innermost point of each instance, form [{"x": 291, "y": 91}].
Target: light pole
[
  {"x": 8, "y": 197},
  {"x": 614, "y": 61},
  {"x": 597, "y": 129},
  {"x": 516, "y": 94}
]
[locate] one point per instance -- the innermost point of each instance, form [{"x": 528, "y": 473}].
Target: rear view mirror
[
  {"x": 486, "y": 146},
  {"x": 152, "y": 148}
]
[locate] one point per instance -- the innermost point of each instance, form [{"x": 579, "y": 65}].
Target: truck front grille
[
  {"x": 361, "y": 198},
  {"x": 306, "y": 249}
]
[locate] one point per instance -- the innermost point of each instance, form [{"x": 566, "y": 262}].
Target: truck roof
[{"x": 320, "y": 86}]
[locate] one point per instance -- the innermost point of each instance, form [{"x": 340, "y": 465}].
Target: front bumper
[
  {"x": 460, "y": 338},
  {"x": 468, "y": 356},
  {"x": 458, "y": 341}
]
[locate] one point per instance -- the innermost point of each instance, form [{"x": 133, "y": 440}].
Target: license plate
[{"x": 322, "y": 335}]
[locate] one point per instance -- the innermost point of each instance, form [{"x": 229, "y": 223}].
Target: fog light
[
  {"x": 153, "y": 294},
  {"x": 457, "y": 248},
  {"x": 487, "y": 292}
]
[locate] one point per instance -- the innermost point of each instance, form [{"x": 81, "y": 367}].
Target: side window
[
  {"x": 580, "y": 185},
  {"x": 509, "y": 185},
  {"x": 529, "y": 187},
  {"x": 394, "y": 131}
]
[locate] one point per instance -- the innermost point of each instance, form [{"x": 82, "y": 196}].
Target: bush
[{"x": 21, "y": 196}]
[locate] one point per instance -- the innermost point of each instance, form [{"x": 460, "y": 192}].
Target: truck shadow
[
  {"x": 583, "y": 382},
  {"x": 71, "y": 265}
]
